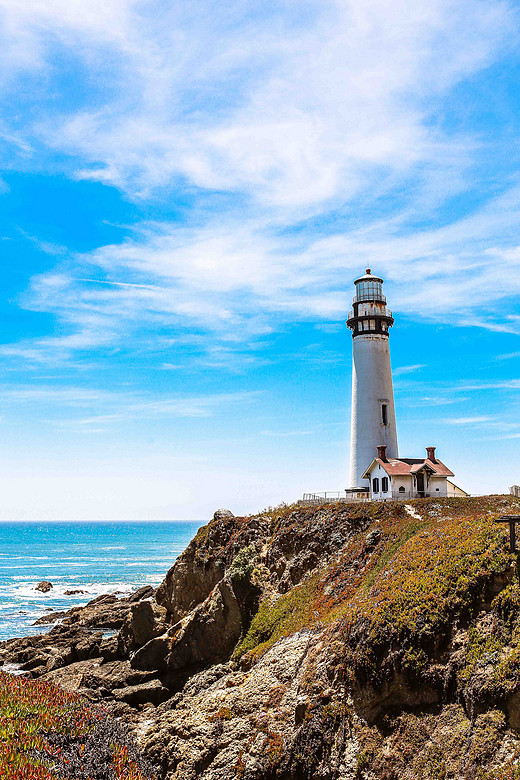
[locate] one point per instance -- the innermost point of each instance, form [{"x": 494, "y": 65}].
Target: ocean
[{"x": 94, "y": 557}]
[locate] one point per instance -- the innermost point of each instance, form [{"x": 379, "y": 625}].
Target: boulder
[
  {"x": 152, "y": 656},
  {"x": 146, "y": 620},
  {"x": 109, "y": 649},
  {"x": 89, "y": 646},
  {"x": 44, "y": 586},
  {"x": 51, "y": 617},
  {"x": 106, "y": 611},
  {"x": 188, "y": 583},
  {"x": 73, "y": 677},
  {"x": 146, "y": 592},
  {"x": 152, "y": 691},
  {"x": 201, "y": 566},
  {"x": 223, "y": 514},
  {"x": 207, "y": 635}
]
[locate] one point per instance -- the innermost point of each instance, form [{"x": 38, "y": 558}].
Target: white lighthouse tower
[{"x": 373, "y": 412}]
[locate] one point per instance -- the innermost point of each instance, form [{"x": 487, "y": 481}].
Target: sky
[{"x": 187, "y": 192}]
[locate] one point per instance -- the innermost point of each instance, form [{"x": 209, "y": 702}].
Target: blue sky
[{"x": 187, "y": 192}]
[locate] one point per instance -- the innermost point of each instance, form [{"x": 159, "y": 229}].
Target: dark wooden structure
[{"x": 512, "y": 520}]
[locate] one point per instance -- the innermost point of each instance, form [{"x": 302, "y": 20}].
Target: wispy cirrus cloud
[
  {"x": 400, "y": 370},
  {"x": 202, "y": 406},
  {"x": 508, "y": 356},
  {"x": 239, "y": 281},
  {"x": 467, "y": 420},
  {"x": 95, "y": 407},
  {"x": 294, "y": 104},
  {"x": 281, "y": 115}
]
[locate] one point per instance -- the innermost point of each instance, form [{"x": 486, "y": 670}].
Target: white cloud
[
  {"x": 294, "y": 104},
  {"x": 296, "y": 108},
  {"x": 467, "y": 420},
  {"x": 92, "y": 407},
  {"x": 400, "y": 370},
  {"x": 508, "y": 356},
  {"x": 234, "y": 282},
  {"x": 499, "y": 384}
]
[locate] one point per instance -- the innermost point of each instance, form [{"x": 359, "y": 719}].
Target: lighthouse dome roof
[{"x": 368, "y": 276}]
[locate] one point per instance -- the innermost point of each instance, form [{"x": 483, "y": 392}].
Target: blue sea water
[{"x": 95, "y": 557}]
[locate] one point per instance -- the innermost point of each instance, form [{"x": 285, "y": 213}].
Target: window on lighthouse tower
[{"x": 384, "y": 414}]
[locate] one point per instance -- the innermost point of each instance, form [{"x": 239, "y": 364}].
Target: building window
[
  {"x": 401, "y": 489},
  {"x": 384, "y": 413},
  {"x": 384, "y": 485},
  {"x": 375, "y": 485}
]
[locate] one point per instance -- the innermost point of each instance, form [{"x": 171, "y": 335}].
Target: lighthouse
[{"x": 373, "y": 412}]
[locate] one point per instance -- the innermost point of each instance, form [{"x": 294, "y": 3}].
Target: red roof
[{"x": 405, "y": 466}]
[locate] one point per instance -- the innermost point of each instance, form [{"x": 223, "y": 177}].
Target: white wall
[
  {"x": 438, "y": 486},
  {"x": 398, "y": 482},
  {"x": 371, "y": 386},
  {"x": 379, "y": 473}
]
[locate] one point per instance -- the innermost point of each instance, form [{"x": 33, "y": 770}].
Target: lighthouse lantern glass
[{"x": 369, "y": 291}]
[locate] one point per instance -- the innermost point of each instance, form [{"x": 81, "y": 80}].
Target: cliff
[{"x": 375, "y": 642}]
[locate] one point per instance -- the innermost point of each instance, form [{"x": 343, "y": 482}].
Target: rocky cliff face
[{"x": 375, "y": 642}]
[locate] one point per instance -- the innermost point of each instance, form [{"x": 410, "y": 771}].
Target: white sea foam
[
  {"x": 114, "y": 547},
  {"x": 106, "y": 559},
  {"x": 13, "y": 669}
]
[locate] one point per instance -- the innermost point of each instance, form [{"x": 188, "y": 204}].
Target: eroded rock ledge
[{"x": 326, "y": 642}]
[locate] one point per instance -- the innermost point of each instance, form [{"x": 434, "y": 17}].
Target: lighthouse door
[{"x": 420, "y": 484}]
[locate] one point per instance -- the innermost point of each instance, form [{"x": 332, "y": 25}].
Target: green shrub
[{"x": 243, "y": 565}]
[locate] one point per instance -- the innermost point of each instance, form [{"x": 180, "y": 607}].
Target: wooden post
[{"x": 512, "y": 520}]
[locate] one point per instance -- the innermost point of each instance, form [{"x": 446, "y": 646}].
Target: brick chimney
[
  {"x": 430, "y": 454},
  {"x": 381, "y": 453}
]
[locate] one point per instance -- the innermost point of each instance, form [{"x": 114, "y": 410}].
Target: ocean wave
[
  {"x": 114, "y": 547},
  {"x": 106, "y": 559},
  {"x": 28, "y": 590}
]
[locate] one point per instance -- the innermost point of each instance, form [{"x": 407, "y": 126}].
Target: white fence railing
[{"x": 333, "y": 497}]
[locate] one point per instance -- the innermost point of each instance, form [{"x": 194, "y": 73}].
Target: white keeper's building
[{"x": 399, "y": 478}]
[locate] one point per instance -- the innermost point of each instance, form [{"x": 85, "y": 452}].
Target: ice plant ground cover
[{"x": 48, "y": 733}]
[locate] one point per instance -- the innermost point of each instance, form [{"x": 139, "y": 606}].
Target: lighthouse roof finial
[{"x": 368, "y": 277}]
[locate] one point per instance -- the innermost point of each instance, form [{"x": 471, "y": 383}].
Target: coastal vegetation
[
  {"x": 47, "y": 733},
  {"x": 404, "y": 581}
]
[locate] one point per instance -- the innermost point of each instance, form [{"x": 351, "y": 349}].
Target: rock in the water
[
  {"x": 44, "y": 586},
  {"x": 74, "y": 592},
  {"x": 105, "y": 611}
]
